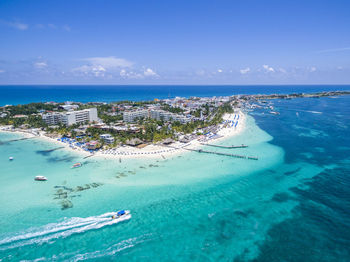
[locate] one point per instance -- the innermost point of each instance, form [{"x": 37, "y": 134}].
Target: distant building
[
  {"x": 20, "y": 116},
  {"x": 109, "y": 139},
  {"x": 69, "y": 107},
  {"x": 72, "y": 117},
  {"x": 167, "y": 116},
  {"x": 134, "y": 115},
  {"x": 157, "y": 114}
]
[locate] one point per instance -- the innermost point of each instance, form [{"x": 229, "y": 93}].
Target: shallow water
[{"x": 290, "y": 205}]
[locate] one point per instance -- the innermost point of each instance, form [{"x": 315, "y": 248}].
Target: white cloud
[
  {"x": 268, "y": 68},
  {"x": 109, "y": 62},
  {"x": 66, "y": 28},
  {"x": 244, "y": 71},
  {"x": 97, "y": 71},
  {"x": 313, "y": 69},
  {"x": 149, "y": 72},
  {"x": 52, "y": 26},
  {"x": 282, "y": 70},
  {"x": 200, "y": 72},
  {"x": 333, "y": 50},
  {"x": 40, "y": 65},
  {"x": 130, "y": 74},
  {"x": 16, "y": 25},
  {"x": 219, "y": 70},
  {"x": 99, "y": 66},
  {"x": 39, "y": 26}
]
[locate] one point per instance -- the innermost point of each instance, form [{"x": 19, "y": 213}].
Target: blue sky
[{"x": 175, "y": 42}]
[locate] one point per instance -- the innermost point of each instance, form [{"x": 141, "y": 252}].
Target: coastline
[{"x": 149, "y": 151}]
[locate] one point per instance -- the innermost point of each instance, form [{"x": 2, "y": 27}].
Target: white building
[
  {"x": 109, "y": 139},
  {"x": 133, "y": 115},
  {"x": 166, "y": 116},
  {"x": 154, "y": 114},
  {"x": 52, "y": 118},
  {"x": 69, "y": 107},
  {"x": 72, "y": 117}
]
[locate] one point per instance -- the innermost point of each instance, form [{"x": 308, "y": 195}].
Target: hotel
[{"x": 72, "y": 117}]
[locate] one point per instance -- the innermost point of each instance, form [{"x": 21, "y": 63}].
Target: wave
[{"x": 53, "y": 231}]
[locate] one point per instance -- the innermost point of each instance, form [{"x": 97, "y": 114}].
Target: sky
[{"x": 175, "y": 42}]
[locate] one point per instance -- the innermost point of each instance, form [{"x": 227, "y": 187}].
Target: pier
[
  {"x": 228, "y": 147},
  {"x": 51, "y": 150},
  {"x": 18, "y": 139},
  {"x": 218, "y": 153}
]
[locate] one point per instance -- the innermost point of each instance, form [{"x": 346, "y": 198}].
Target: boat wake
[{"x": 67, "y": 227}]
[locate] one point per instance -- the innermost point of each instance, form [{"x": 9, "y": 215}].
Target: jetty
[
  {"x": 54, "y": 149},
  {"x": 18, "y": 139},
  {"x": 221, "y": 146},
  {"x": 218, "y": 153}
]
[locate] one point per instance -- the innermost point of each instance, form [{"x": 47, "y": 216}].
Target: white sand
[
  {"x": 156, "y": 151},
  {"x": 151, "y": 151}
]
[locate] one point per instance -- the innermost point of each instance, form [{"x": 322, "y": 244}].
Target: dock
[
  {"x": 228, "y": 147},
  {"x": 219, "y": 153},
  {"x": 18, "y": 139},
  {"x": 51, "y": 150}
]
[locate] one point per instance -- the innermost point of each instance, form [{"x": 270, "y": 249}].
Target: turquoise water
[
  {"x": 290, "y": 205},
  {"x": 106, "y": 93}
]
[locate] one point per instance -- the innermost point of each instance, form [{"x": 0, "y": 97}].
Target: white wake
[{"x": 62, "y": 229}]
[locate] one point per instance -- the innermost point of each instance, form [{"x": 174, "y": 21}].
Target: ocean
[
  {"x": 290, "y": 205},
  {"x": 40, "y": 93}
]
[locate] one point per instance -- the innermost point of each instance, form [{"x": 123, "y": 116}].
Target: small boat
[
  {"x": 77, "y": 165},
  {"x": 121, "y": 213},
  {"x": 40, "y": 178},
  {"x": 11, "y": 158}
]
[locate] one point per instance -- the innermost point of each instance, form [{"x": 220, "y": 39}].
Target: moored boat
[
  {"x": 11, "y": 158},
  {"x": 40, "y": 178},
  {"x": 77, "y": 165}
]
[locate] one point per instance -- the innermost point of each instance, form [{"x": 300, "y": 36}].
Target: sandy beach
[
  {"x": 166, "y": 151},
  {"x": 226, "y": 130}
]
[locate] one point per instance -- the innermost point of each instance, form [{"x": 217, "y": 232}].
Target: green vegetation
[{"x": 148, "y": 130}]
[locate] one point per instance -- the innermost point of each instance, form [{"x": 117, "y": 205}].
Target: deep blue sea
[
  {"x": 291, "y": 205},
  {"x": 42, "y": 93}
]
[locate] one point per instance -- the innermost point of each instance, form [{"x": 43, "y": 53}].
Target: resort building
[
  {"x": 167, "y": 116},
  {"x": 69, "y": 107},
  {"x": 52, "y": 118},
  {"x": 134, "y": 115},
  {"x": 157, "y": 114},
  {"x": 72, "y": 117},
  {"x": 109, "y": 139}
]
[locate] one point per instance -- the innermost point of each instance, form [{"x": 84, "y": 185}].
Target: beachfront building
[
  {"x": 157, "y": 114},
  {"x": 167, "y": 116},
  {"x": 79, "y": 117},
  {"x": 131, "y": 116},
  {"x": 107, "y": 138},
  {"x": 52, "y": 118},
  {"x": 92, "y": 145},
  {"x": 72, "y": 117}
]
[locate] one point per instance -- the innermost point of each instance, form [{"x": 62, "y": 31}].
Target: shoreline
[{"x": 150, "y": 151}]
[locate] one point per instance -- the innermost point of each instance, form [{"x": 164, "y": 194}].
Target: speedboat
[
  {"x": 40, "y": 178},
  {"x": 120, "y": 214},
  {"x": 11, "y": 158},
  {"x": 77, "y": 165}
]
